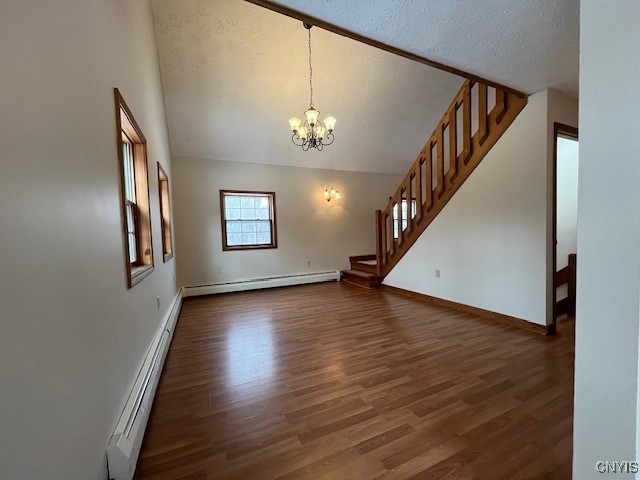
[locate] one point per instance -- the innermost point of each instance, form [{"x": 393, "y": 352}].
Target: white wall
[
  {"x": 567, "y": 201},
  {"x": 71, "y": 335},
  {"x": 608, "y": 288},
  {"x": 309, "y": 227},
  {"x": 490, "y": 242}
]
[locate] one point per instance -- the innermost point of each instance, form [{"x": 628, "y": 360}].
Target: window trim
[
  {"x": 272, "y": 219},
  {"x": 128, "y": 126},
  {"x": 165, "y": 229}
]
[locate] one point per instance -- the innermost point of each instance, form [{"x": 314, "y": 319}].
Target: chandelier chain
[{"x": 310, "y": 73}]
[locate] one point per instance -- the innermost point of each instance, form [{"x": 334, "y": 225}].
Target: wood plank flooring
[{"x": 332, "y": 381}]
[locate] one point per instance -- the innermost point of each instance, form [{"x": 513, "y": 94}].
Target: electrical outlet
[
  {"x": 308, "y": 263},
  {"x": 158, "y": 302},
  {"x": 219, "y": 270},
  {"x": 437, "y": 273}
]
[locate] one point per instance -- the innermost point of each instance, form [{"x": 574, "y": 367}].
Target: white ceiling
[
  {"x": 233, "y": 73},
  {"x": 527, "y": 45}
]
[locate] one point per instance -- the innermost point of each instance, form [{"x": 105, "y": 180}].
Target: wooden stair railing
[
  {"x": 567, "y": 275},
  {"x": 451, "y": 153}
]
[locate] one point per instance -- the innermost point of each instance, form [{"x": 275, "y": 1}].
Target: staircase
[
  {"x": 471, "y": 126},
  {"x": 363, "y": 272}
]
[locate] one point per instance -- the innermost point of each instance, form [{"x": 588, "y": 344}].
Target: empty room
[{"x": 296, "y": 239}]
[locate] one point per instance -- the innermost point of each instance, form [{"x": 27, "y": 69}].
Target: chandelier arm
[
  {"x": 293, "y": 139},
  {"x": 330, "y": 137}
]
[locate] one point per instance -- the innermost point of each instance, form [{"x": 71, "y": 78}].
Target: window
[
  {"x": 165, "y": 214},
  {"x": 248, "y": 220},
  {"x": 136, "y": 220},
  {"x": 404, "y": 215}
]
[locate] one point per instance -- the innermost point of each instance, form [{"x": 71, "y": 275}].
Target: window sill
[
  {"x": 247, "y": 247},
  {"x": 138, "y": 273}
]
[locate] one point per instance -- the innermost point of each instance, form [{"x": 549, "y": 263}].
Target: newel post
[
  {"x": 379, "y": 242},
  {"x": 571, "y": 310}
]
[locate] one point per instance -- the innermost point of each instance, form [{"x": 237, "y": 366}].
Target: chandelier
[{"x": 311, "y": 133}]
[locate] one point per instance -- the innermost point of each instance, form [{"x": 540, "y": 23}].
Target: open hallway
[{"x": 334, "y": 381}]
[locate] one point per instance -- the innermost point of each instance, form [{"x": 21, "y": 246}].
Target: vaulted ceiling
[
  {"x": 233, "y": 73},
  {"x": 527, "y": 45}
]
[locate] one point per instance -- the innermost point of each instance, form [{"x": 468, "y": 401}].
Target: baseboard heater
[
  {"x": 258, "y": 283},
  {"x": 124, "y": 446}
]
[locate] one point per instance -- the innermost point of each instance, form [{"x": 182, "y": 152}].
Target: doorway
[{"x": 565, "y": 220}]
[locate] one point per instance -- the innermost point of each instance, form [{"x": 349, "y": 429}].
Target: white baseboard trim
[
  {"x": 124, "y": 446},
  {"x": 259, "y": 283}
]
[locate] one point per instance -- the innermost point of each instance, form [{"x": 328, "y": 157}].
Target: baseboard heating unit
[
  {"x": 258, "y": 283},
  {"x": 124, "y": 447}
]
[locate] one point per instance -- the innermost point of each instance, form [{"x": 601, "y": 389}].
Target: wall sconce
[{"x": 332, "y": 194}]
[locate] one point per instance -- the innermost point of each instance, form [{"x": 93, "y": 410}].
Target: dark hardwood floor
[{"x": 332, "y": 381}]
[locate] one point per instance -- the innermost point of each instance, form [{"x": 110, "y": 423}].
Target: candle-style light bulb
[
  {"x": 312, "y": 116},
  {"x": 294, "y": 123},
  {"x": 330, "y": 123}
]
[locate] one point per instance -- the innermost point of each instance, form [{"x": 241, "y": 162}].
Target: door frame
[{"x": 559, "y": 130}]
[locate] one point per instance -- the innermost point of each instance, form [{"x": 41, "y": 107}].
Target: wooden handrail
[{"x": 452, "y": 165}]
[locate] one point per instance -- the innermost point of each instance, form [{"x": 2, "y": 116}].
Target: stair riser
[
  {"x": 369, "y": 283},
  {"x": 364, "y": 268}
]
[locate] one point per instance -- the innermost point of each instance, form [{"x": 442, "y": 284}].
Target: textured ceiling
[
  {"x": 233, "y": 73},
  {"x": 527, "y": 45}
]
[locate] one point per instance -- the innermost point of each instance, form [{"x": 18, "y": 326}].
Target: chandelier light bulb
[
  {"x": 330, "y": 123},
  {"x": 312, "y": 116},
  {"x": 294, "y": 123}
]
